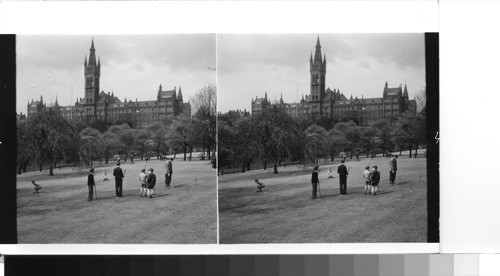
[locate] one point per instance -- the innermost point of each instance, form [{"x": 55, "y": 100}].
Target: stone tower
[
  {"x": 317, "y": 70},
  {"x": 92, "y": 72}
]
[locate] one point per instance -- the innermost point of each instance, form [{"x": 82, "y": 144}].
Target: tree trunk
[
  {"x": 41, "y": 167},
  {"x": 275, "y": 169},
  {"x": 416, "y": 151},
  {"x": 185, "y": 152},
  {"x": 410, "y": 150},
  {"x": 51, "y": 171},
  {"x": 400, "y": 150}
]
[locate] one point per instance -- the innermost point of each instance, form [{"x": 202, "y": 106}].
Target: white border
[{"x": 219, "y": 17}]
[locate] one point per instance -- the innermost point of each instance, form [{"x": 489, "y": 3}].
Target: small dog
[
  {"x": 104, "y": 176},
  {"x": 37, "y": 186},
  {"x": 260, "y": 185}
]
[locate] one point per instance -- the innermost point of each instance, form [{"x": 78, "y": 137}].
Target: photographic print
[
  {"x": 322, "y": 138},
  {"x": 116, "y": 139}
]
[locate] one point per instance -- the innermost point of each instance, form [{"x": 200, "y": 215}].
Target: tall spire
[
  {"x": 180, "y": 93},
  {"x": 324, "y": 58},
  {"x": 85, "y": 63},
  {"x": 317, "y": 54},
  {"x": 99, "y": 62},
  {"x": 311, "y": 59},
  {"x": 92, "y": 60},
  {"x": 405, "y": 92}
]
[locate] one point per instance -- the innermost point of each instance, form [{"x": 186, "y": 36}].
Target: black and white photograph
[
  {"x": 322, "y": 138},
  {"x": 116, "y": 139}
]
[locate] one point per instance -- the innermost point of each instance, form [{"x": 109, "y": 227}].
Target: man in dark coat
[
  {"x": 342, "y": 171},
  {"x": 314, "y": 181},
  {"x": 118, "y": 174},
  {"x": 91, "y": 183},
  {"x": 393, "y": 167}
]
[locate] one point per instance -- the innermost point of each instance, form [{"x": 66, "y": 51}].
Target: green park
[
  {"x": 57, "y": 154},
  {"x": 280, "y": 150}
]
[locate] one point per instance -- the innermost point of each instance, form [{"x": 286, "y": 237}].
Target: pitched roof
[
  {"x": 33, "y": 103},
  {"x": 166, "y": 94},
  {"x": 393, "y": 91}
]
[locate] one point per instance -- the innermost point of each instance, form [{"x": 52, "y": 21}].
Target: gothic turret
[
  {"x": 317, "y": 75},
  {"x": 317, "y": 54},
  {"x": 179, "y": 97},
  {"x": 92, "y": 73}
]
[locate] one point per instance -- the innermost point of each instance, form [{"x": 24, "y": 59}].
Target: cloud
[
  {"x": 131, "y": 66},
  {"x": 358, "y": 64}
]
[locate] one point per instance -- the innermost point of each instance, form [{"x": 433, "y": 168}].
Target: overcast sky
[
  {"x": 249, "y": 65},
  {"x": 132, "y": 66}
]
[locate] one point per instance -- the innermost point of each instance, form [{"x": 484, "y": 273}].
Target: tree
[
  {"x": 369, "y": 139},
  {"x": 143, "y": 142},
  {"x": 110, "y": 144},
  {"x": 24, "y": 146},
  {"x": 89, "y": 144},
  {"x": 157, "y": 133},
  {"x": 180, "y": 134},
  {"x": 278, "y": 136},
  {"x": 204, "y": 105},
  {"x": 316, "y": 144},
  {"x": 51, "y": 139},
  {"x": 353, "y": 136},
  {"x": 421, "y": 100},
  {"x": 384, "y": 134},
  {"x": 336, "y": 142}
]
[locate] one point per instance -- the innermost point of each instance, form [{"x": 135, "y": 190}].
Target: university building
[
  {"x": 324, "y": 103},
  {"x": 99, "y": 105}
]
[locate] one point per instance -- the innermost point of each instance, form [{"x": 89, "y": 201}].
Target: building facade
[
  {"x": 99, "y": 105},
  {"x": 324, "y": 103}
]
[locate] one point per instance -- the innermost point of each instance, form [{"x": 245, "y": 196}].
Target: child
[
  {"x": 367, "y": 176},
  {"x": 151, "y": 183},
  {"x": 375, "y": 179},
  {"x": 314, "y": 181},
  {"x": 104, "y": 176},
  {"x": 260, "y": 185},
  {"x": 329, "y": 174},
  {"x": 142, "y": 180}
]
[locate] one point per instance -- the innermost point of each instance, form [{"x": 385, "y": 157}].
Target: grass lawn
[
  {"x": 285, "y": 212},
  {"x": 60, "y": 213}
]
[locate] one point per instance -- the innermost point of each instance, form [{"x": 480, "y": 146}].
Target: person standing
[
  {"x": 393, "y": 167},
  {"x": 375, "y": 179},
  {"x": 151, "y": 183},
  {"x": 142, "y": 180},
  {"x": 118, "y": 174},
  {"x": 168, "y": 173},
  {"x": 342, "y": 171},
  {"x": 367, "y": 176},
  {"x": 91, "y": 183},
  {"x": 314, "y": 181}
]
